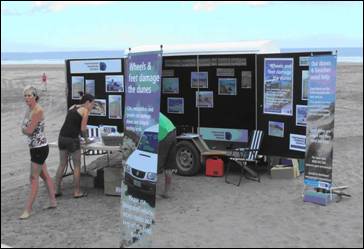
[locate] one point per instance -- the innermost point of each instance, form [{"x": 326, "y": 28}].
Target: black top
[{"x": 72, "y": 124}]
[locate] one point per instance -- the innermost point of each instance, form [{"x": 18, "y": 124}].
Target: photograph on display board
[
  {"x": 170, "y": 85},
  {"x": 99, "y": 108},
  {"x": 199, "y": 80},
  {"x": 205, "y": 99},
  {"x": 77, "y": 87},
  {"x": 114, "y": 83},
  {"x": 305, "y": 78},
  {"x": 115, "y": 108},
  {"x": 90, "y": 87},
  {"x": 276, "y": 129},
  {"x": 278, "y": 86},
  {"x": 301, "y": 115},
  {"x": 246, "y": 79},
  {"x": 227, "y": 86},
  {"x": 175, "y": 105}
]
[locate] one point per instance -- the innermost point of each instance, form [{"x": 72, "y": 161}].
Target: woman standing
[
  {"x": 33, "y": 127},
  {"x": 69, "y": 142}
]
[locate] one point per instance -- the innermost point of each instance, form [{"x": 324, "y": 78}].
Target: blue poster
[
  {"x": 320, "y": 120},
  {"x": 141, "y": 128},
  {"x": 278, "y": 86}
]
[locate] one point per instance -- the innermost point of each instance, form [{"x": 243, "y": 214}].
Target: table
[{"x": 97, "y": 145}]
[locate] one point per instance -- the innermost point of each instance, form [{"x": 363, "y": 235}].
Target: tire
[{"x": 187, "y": 159}]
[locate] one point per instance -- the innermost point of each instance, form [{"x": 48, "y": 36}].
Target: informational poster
[
  {"x": 224, "y": 134},
  {"x": 278, "y": 86},
  {"x": 176, "y": 105},
  {"x": 142, "y": 104},
  {"x": 77, "y": 87},
  {"x": 275, "y": 129},
  {"x": 246, "y": 79},
  {"x": 199, "y": 80},
  {"x": 320, "y": 120},
  {"x": 99, "y": 108},
  {"x": 115, "y": 107},
  {"x": 297, "y": 142},
  {"x": 95, "y": 66},
  {"x": 170, "y": 85},
  {"x": 114, "y": 83},
  {"x": 304, "y": 61},
  {"x": 168, "y": 73},
  {"x": 90, "y": 87},
  {"x": 301, "y": 115},
  {"x": 227, "y": 86},
  {"x": 205, "y": 99},
  {"x": 305, "y": 76}
]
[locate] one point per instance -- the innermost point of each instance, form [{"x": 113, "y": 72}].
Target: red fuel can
[{"x": 214, "y": 167}]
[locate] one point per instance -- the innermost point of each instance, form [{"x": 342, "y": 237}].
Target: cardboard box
[
  {"x": 112, "y": 180},
  {"x": 282, "y": 172}
]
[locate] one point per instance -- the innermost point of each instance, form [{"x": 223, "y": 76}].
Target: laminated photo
[
  {"x": 114, "y": 83},
  {"x": 175, "y": 105},
  {"x": 99, "y": 108},
  {"x": 301, "y": 115},
  {"x": 90, "y": 87},
  {"x": 77, "y": 87},
  {"x": 276, "y": 129},
  {"x": 170, "y": 85},
  {"x": 199, "y": 80},
  {"x": 115, "y": 108},
  {"x": 305, "y": 78},
  {"x": 225, "y": 72},
  {"x": 227, "y": 86},
  {"x": 246, "y": 79},
  {"x": 205, "y": 99}
]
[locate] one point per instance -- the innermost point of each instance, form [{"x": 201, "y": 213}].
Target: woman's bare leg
[
  {"x": 63, "y": 158},
  {"x": 50, "y": 186},
  {"x": 34, "y": 186}
]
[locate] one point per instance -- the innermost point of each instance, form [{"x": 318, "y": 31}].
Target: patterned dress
[{"x": 37, "y": 138}]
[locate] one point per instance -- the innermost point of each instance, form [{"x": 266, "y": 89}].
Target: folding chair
[
  {"x": 243, "y": 156},
  {"x": 92, "y": 131}
]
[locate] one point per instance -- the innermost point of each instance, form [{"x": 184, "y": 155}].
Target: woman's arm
[{"x": 35, "y": 118}]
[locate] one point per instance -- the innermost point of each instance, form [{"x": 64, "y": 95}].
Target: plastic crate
[{"x": 111, "y": 140}]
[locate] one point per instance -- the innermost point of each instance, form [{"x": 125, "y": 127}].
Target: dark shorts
[
  {"x": 69, "y": 144},
  {"x": 167, "y": 152},
  {"x": 39, "y": 155}
]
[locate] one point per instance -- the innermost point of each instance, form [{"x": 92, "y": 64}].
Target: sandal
[
  {"x": 25, "y": 215},
  {"x": 83, "y": 194}
]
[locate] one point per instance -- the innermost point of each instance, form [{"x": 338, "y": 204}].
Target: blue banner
[
  {"x": 320, "y": 121},
  {"x": 141, "y": 128}
]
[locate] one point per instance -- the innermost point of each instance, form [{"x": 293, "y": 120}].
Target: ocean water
[{"x": 352, "y": 55}]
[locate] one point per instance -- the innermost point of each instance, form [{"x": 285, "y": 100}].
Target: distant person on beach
[
  {"x": 33, "y": 127},
  {"x": 69, "y": 142},
  {"x": 44, "y": 81}
]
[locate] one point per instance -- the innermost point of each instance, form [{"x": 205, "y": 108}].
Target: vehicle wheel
[{"x": 187, "y": 159}]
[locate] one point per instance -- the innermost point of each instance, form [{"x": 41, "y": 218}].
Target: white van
[{"x": 141, "y": 166}]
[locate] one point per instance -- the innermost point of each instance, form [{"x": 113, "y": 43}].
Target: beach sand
[{"x": 202, "y": 212}]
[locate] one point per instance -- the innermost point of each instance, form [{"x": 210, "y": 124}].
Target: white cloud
[
  {"x": 211, "y": 5},
  {"x": 54, "y": 6}
]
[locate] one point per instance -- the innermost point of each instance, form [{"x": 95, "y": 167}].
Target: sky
[{"x": 43, "y": 26}]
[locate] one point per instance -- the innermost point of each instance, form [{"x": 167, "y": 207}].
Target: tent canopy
[{"x": 242, "y": 47}]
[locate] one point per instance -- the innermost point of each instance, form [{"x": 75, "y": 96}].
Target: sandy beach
[{"x": 202, "y": 212}]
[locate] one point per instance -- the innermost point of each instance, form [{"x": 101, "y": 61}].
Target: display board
[
  {"x": 282, "y": 102},
  {"x": 226, "y": 84},
  {"x": 103, "y": 78}
]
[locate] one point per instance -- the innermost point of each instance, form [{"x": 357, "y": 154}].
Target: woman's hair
[
  {"x": 87, "y": 97},
  {"x": 32, "y": 90}
]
